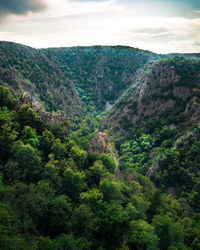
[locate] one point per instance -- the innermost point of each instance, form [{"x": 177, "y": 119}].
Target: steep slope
[
  {"x": 101, "y": 73},
  {"x": 167, "y": 89},
  {"x": 78, "y": 192},
  {"x": 27, "y": 70},
  {"x": 156, "y": 126},
  {"x": 54, "y": 195}
]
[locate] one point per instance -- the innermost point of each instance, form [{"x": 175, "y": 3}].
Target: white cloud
[{"x": 70, "y": 23}]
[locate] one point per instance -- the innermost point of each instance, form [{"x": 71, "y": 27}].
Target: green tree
[
  {"x": 26, "y": 116},
  {"x": 108, "y": 162},
  {"x": 46, "y": 244},
  {"x": 69, "y": 241},
  {"x": 78, "y": 155},
  {"x": 114, "y": 224},
  {"x": 29, "y": 136},
  {"x": 7, "y": 138},
  {"x": 82, "y": 221},
  {"x": 97, "y": 172},
  {"x": 169, "y": 232},
  {"x": 47, "y": 140},
  {"x": 73, "y": 183},
  {"x": 59, "y": 150},
  {"x": 155, "y": 203},
  {"x": 29, "y": 163},
  {"x": 110, "y": 189},
  {"x": 142, "y": 236},
  {"x": 93, "y": 198},
  {"x": 6, "y": 99}
]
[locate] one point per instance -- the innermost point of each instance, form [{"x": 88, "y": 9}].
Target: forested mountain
[
  {"x": 27, "y": 70},
  {"x": 101, "y": 73},
  {"x": 163, "y": 110},
  {"x": 164, "y": 91},
  {"x": 75, "y": 178}
]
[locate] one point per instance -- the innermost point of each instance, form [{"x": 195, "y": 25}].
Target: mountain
[
  {"x": 155, "y": 124},
  {"x": 73, "y": 176},
  {"x": 28, "y": 71},
  {"x": 167, "y": 91},
  {"x": 101, "y": 73}
]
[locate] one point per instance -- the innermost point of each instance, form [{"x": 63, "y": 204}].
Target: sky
[{"x": 162, "y": 26}]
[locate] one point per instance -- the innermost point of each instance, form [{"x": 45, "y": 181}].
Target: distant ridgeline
[{"x": 101, "y": 73}]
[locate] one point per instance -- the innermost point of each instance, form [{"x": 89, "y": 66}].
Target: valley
[{"x": 99, "y": 148}]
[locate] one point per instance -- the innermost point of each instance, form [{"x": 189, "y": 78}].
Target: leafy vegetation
[
  {"x": 101, "y": 73},
  {"x": 28, "y": 71},
  {"x": 57, "y": 194},
  {"x": 53, "y": 194}
]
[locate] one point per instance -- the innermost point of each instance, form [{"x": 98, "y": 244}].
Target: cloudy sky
[{"x": 158, "y": 25}]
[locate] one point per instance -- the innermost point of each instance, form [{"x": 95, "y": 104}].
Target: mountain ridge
[{"x": 127, "y": 178}]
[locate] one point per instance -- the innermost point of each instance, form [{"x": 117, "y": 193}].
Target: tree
[
  {"x": 29, "y": 136},
  {"x": 47, "y": 140},
  {"x": 29, "y": 163},
  {"x": 69, "y": 241},
  {"x": 26, "y": 116},
  {"x": 114, "y": 224},
  {"x": 6, "y": 99},
  {"x": 97, "y": 172},
  {"x": 82, "y": 221},
  {"x": 169, "y": 232},
  {"x": 142, "y": 236},
  {"x": 110, "y": 189},
  {"x": 108, "y": 162},
  {"x": 93, "y": 198},
  {"x": 73, "y": 183},
  {"x": 55, "y": 220},
  {"x": 46, "y": 244},
  {"x": 10, "y": 237},
  {"x": 78, "y": 155},
  {"x": 57, "y": 131},
  {"x": 59, "y": 150},
  {"x": 155, "y": 202},
  {"x": 7, "y": 138}
]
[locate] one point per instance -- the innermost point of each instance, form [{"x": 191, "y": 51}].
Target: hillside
[
  {"x": 166, "y": 90},
  {"x": 101, "y": 73},
  {"x": 28, "y": 71},
  {"x": 56, "y": 195},
  {"x": 156, "y": 126},
  {"x": 123, "y": 179}
]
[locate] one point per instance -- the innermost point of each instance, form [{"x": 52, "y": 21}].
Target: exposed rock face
[
  {"x": 56, "y": 118},
  {"x": 99, "y": 143},
  {"x": 193, "y": 107},
  {"x": 155, "y": 91},
  {"x": 171, "y": 191},
  {"x": 182, "y": 92},
  {"x": 155, "y": 79},
  {"x": 183, "y": 138},
  {"x": 108, "y": 106},
  {"x": 151, "y": 171}
]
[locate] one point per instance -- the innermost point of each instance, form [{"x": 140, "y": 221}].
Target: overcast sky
[{"x": 158, "y": 25}]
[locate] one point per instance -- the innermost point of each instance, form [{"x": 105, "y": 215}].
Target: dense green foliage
[
  {"x": 27, "y": 70},
  {"x": 101, "y": 73},
  {"x": 56, "y": 194}
]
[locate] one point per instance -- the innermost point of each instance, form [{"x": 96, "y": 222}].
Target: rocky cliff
[
  {"x": 48, "y": 117},
  {"x": 161, "y": 89}
]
